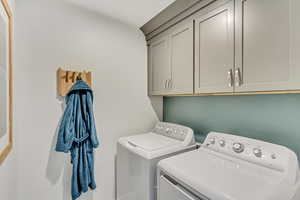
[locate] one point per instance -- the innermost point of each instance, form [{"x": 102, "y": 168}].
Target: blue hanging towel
[{"x": 77, "y": 134}]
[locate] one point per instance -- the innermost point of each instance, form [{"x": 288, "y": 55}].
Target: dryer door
[{"x": 172, "y": 191}]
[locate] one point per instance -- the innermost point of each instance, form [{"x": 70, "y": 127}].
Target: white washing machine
[
  {"x": 229, "y": 167},
  {"x": 138, "y": 155}
]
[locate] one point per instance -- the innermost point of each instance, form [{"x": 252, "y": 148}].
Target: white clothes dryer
[{"x": 229, "y": 167}]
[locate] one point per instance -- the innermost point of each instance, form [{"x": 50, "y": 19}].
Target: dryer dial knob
[
  {"x": 257, "y": 152},
  {"x": 222, "y": 143},
  {"x": 238, "y": 147}
]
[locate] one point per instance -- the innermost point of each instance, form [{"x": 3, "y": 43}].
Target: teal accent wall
[{"x": 272, "y": 118}]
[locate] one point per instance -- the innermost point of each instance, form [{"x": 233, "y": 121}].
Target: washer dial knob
[
  {"x": 238, "y": 147},
  {"x": 222, "y": 143},
  {"x": 273, "y": 156},
  {"x": 257, "y": 152}
]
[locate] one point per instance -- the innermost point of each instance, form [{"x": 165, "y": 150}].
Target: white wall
[
  {"x": 52, "y": 34},
  {"x": 8, "y": 170}
]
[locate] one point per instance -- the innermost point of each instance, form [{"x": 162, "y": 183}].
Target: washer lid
[
  {"x": 152, "y": 145},
  {"x": 223, "y": 178},
  {"x": 152, "y": 141}
]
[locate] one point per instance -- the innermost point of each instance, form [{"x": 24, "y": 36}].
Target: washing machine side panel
[{"x": 131, "y": 173}]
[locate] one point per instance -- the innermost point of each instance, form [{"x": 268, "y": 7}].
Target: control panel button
[
  {"x": 212, "y": 141},
  {"x": 222, "y": 143},
  {"x": 238, "y": 147},
  {"x": 168, "y": 130},
  {"x": 257, "y": 152},
  {"x": 273, "y": 156}
]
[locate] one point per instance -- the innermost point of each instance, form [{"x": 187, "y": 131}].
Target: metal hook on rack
[{"x": 79, "y": 76}]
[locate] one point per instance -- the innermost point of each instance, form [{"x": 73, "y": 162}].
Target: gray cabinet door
[
  {"x": 181, "y": 56},
  {"x": 268, "y": 45},
  {"x": 214, "y": 50},
  {"x": 159, "y": 65}
]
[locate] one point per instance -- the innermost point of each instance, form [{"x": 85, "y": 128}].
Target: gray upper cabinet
[
  {"x": 228, "y": 46},
  {"x": 171, "y": 61},
  {"x": 214, "y": 49},
  {"x": 159, "y": 62},
  {"x": 181, "y": 56},
  {"x": 267, "y": 45}
]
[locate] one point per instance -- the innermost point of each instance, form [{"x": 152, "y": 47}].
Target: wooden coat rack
[{"x": 66, "y": 79}]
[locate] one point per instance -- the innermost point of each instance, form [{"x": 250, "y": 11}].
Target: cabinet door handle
[
  {"x": 166, "y": 81},
  {"x": 237, "y": 77},
  {"x": 170, "y": 84},
  {"x": 230, "y": 78}
]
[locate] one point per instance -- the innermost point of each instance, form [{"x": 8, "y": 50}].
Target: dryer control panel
[
  {"x": 258, "y": 152},
  {"x": 175, "y": 131}
]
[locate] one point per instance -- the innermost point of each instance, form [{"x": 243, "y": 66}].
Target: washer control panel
[
  {"x": 174, "y": 131},
  {"x": 251, "y": 150}
]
